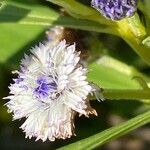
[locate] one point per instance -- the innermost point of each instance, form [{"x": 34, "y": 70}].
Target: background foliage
[{"x": 118, "y": 61}]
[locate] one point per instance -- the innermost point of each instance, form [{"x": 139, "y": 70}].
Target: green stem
[
  {"x": 127, "y": 94},
  {"x": 133, "y": 32}
]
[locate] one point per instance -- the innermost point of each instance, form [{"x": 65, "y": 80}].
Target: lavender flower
[
  {"x": 115, "y": 9},
  {"x": 50, "y": 91}
]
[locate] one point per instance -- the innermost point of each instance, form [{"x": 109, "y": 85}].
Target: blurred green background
[{"x": 17, "y": 39}]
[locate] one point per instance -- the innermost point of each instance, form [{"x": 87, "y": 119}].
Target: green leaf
[
  {"x": 105, "y": 136},
  {"x": 110, "y": 73},
  {"x": 24, "y": 13},
  {"x": 21, "y": 23},
  {"x": 15, "y": 40},
  {"x": 144, "y": 7},
  {"x": 78, "y": 10},
  {"x": 118, "y": 80}
]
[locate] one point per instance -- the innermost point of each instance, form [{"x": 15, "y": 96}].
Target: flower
[
  {"x": 115, "y": 9},
  {"x": 50, "y": 89}
]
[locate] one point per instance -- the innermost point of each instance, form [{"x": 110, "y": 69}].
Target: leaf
[
  {"x": 105, "y": 136},
  {"x": 24, "y": 13},
  {"x": 81, "y": 11},
  {"x": 118, "y": 80},
  {"x": 110, "y": 73},
  {"x": 15, "y": 40},
  {"x": 144, "y": 7},
  {"x": 21, "y": 23}
]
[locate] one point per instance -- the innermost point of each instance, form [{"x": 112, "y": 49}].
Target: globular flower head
[
  {"x": 115, "y": 9},
  {"x": 50, "y": 89}
]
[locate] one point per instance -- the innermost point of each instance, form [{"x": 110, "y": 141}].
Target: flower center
[{"x": 46, "y": 86}]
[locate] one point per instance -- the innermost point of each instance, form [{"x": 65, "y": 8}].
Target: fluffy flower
[
  {"x": 50, "y": 89},
  {"x": 115, "y": 9}
]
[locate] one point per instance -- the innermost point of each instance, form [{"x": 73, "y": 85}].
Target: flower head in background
[
  {"x": 55, "y": 34},
  {"x": 115, "y": 9},
  {"x": 50, "y": 89}
]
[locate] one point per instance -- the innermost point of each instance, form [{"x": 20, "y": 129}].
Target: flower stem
[
  {"x": 127, "y": 94},
  {"x": 133, "y": 32}
]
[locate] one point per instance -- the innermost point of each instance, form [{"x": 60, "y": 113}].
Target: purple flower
[
  {"x": 50, "y": 89},
  {"x": 115, "y": 9},
  {"x": 18, "y": 80},
  {"x": 45, "y": 87}
]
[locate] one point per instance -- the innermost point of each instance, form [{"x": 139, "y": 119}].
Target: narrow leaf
[
  {"x": 110, "y": 73},
  {"x": 101, "y": 138}
]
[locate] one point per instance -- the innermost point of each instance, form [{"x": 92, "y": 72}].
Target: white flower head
[
  {"x": 50, "y": 89},
  {"x": 55, "y": 34}
]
